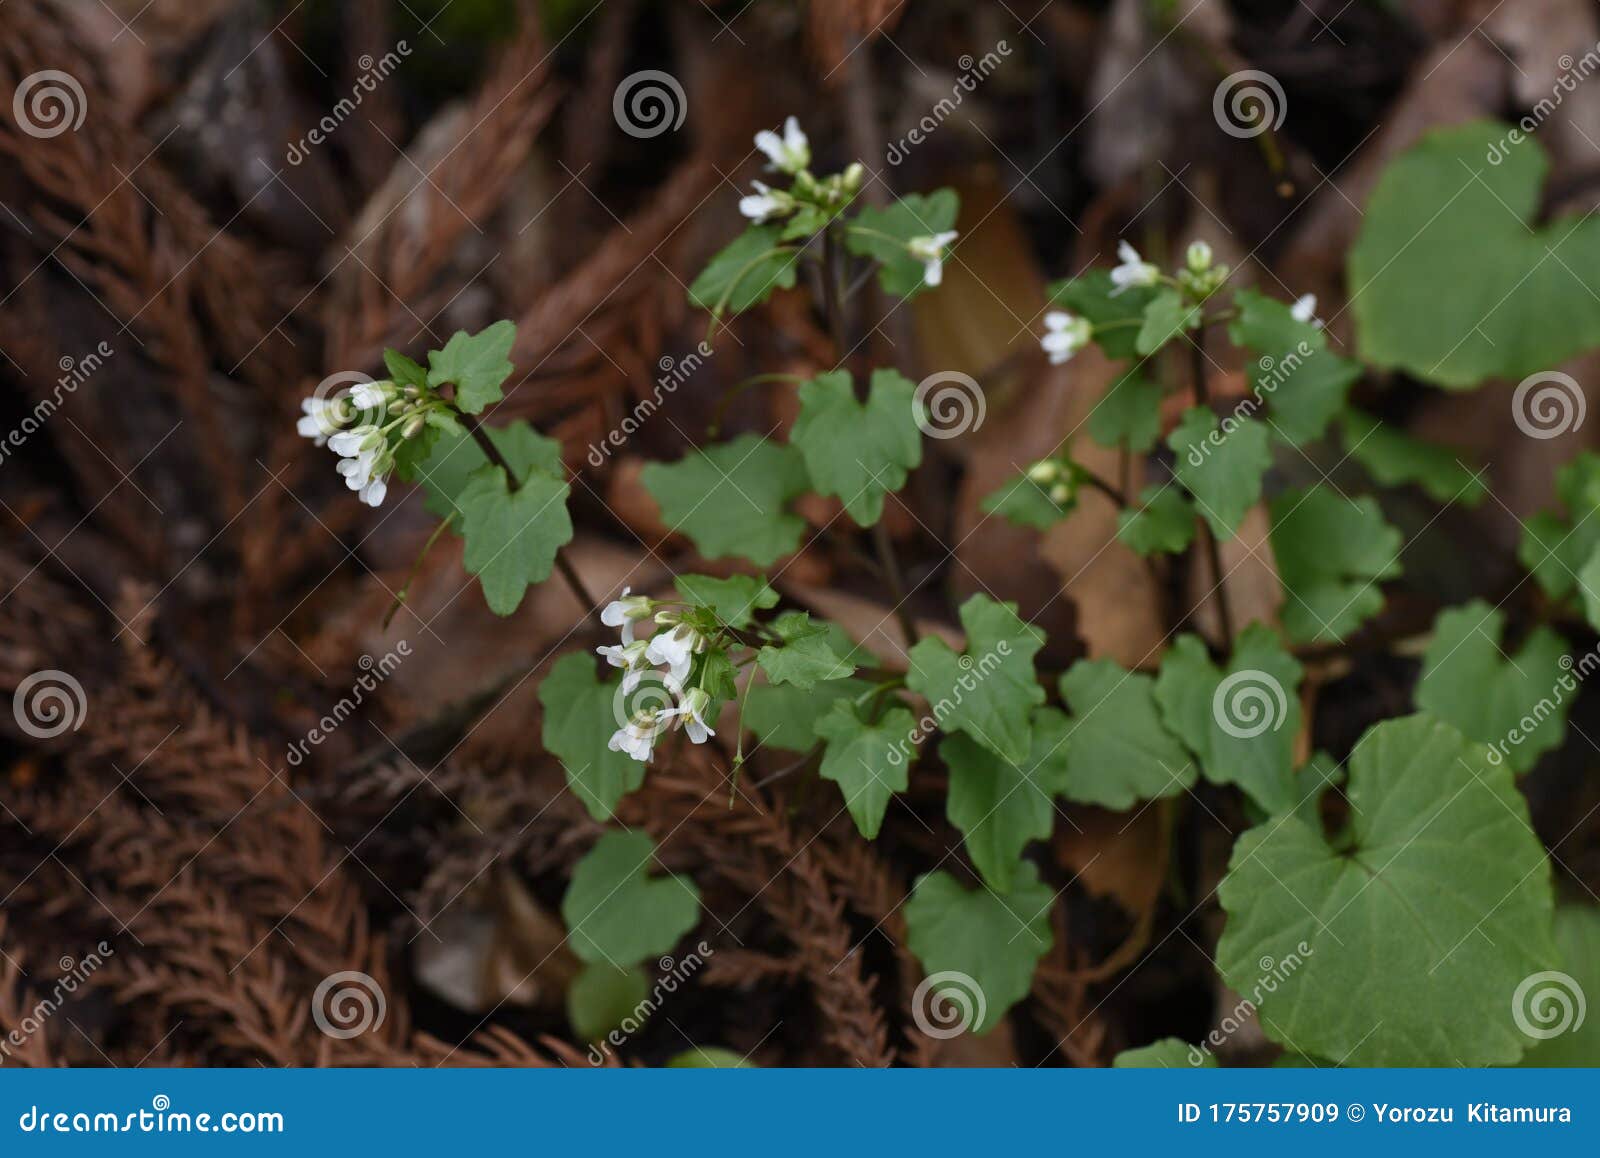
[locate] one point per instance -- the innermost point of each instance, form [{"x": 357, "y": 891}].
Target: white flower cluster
[
  {"x": 363, "y": 426},
  {"x": 818, "y": 200},
  {"x": 674, "y": 645},
  {"x": 1066, "y": 333}
]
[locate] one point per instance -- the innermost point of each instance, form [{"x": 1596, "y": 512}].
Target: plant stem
[
  {"x": 833, "y": 308},
  {"x": 416, "y": 565},
  {"x": 492, "y": 452},
  {"x": 1115, "y": 494},
  {"x": 1213, "y": 548}
]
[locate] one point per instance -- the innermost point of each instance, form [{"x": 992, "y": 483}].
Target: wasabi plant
[{"x": 1403, "y": 880}]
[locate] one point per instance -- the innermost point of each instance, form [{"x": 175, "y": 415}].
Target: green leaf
[
  {"x": 404, "y": 371},
  {"x": 731, "y": 498},
  {"x": 734, "y": 600},
  {"x": 1331, "y": 553},
  {"x": 883, "y": 234},
  {"x": 1164, "y": 319},
  {"x": 1221, "y": 467},
  {"x": 1170, "y": 1053},
  {"x": 476, "y": 364},
  {"x": 616, "y": 912},
  {"x": 785, "y": 716},
  {"x": 1241, "y": 722},
  {"x": 1311, "y": 782},
  {"x": 1449, "y": 278},
  {"x": 1562, "y": 1040},
  {"x": 1117, "y": 317},
  {"x": 602, "y": 997},
  {"x": 1268, "y": 326},
  {"x": 709, "y": 1057},
  {"x": 807, "y": 655},
  {"x": 989, "y": 691},
  {"x": 1024, "y": 502},
  {"x": 1517, "y": 704},
  {"x": 980, "y": 947},
  {"x": 999, "y": 805},
  {"x": 578, "y": 715},
  {"x": 869, "y": 761},
  {"x": 512, "y": 536},
  {"x": 1394, "y": 458},
  {"x": 454, "y": 456},
  {"x": 1554, "y": 548},
  {"x": 1129, "y": 415},
  {"x": 859, "y": 452},
  {"x": 1118, "y": 750},
  {"x": 1437, "y": 902},
  {"x": 1164, "y": 523},
  {"x": 1589, "y": 588},
  {"x": 745, "y": 272}
]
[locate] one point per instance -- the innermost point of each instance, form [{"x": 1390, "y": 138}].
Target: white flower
[
  {"x": 630, "y": 657},
  {"x": 930, "y": 252},
  {"x": 1134, "y": 270},
  {"x": 675, "y": 647},
  {"x": 790, "y": 153},
  {"x": 1198, "y": 258},
  {"x": 359, "y": 440},
  {"x": 372, "y": 494},
  {"x": 357, "y": 471},
  {"x": 766, "y": 203},
  {"x": 692, "y": 715},
  {"x": 638, "y": 736},
  {"x": 624, "y": 611},
  {"x": 1305, "y": 310},
  {"x": 1065, "y": 335},
  {"x": 321, "y": 419},
  {"x": 369, "y": 395}
]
